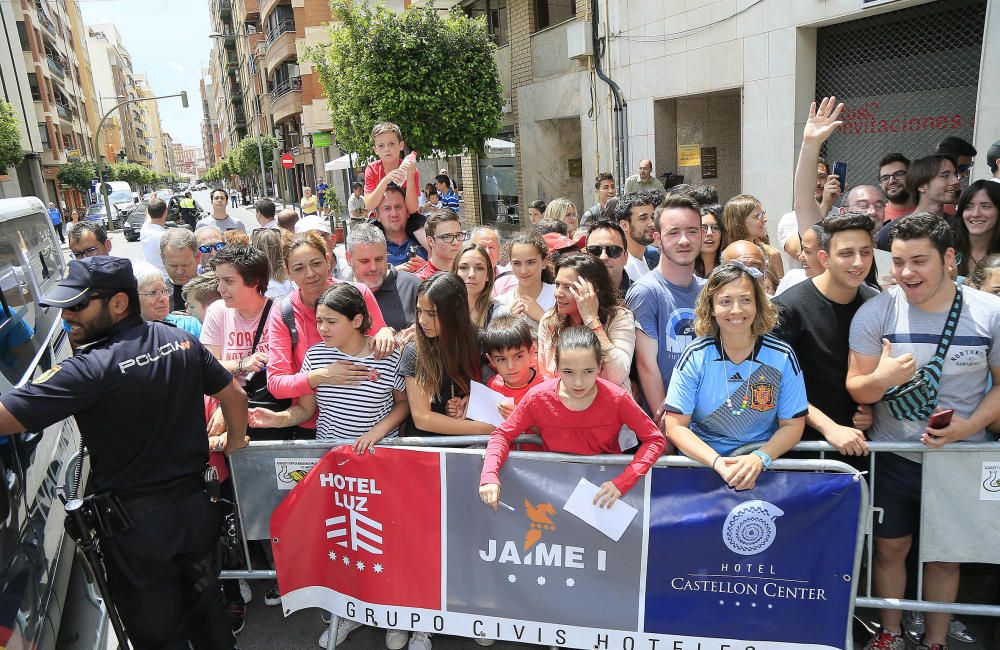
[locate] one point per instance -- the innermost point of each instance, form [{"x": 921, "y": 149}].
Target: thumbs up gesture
[{"x": 895, "y": 370}]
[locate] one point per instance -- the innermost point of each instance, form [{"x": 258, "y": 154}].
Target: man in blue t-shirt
[
  {"x": 56, "y": 216},
  {"x": 663, "y": 299},
  {"x": 394, "y": 220}
]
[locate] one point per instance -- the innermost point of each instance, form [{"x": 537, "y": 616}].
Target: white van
[
  {"x": 120, "y": 197},
  {"x": 37, "y": 557}
]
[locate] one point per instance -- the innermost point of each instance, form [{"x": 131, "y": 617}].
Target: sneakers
[
  {"x": 272, "y": 598},
  {"x": 484, "y": 641},
  {"x": 959, "y": 632},
  {"x": 245, "y": 591},
  {"x": 934, "y": 646},
  {"x": 913, "y": 623},
  {"x": 419, "y": 641},
  {"x": 396, "y": 639},
  {"x": 344, "y": 629},
  {"x": 886, "y": 640},
  {"x": 237, "y": 616}
]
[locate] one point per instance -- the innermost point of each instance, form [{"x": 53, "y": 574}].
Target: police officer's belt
[{"x": 143, "y": 505}]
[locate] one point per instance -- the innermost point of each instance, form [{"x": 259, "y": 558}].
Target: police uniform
[
  {"x": 188, "y": 211},
  {"x": 137, "y": 396}
]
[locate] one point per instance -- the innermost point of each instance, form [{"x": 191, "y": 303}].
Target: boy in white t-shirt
[{"x": 231, "y": 324}]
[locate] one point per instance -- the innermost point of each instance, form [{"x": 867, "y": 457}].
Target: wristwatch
[{"x": 767, "y": 460}]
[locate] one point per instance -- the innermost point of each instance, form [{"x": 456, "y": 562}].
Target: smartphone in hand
[
  {"x": 941, "y": 419},
  {"x": 840, "y": 171}
]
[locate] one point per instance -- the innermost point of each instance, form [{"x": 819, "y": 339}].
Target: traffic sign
[{"x": 287, "y": 161}]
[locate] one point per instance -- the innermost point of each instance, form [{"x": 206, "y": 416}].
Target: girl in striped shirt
[{"x": 359, "y": 413}]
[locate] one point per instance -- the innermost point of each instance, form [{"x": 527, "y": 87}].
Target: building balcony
[
  {"x": 284, "y": 26},
  {"x": 225, "y": 7},
  {"x": 280, "y": 49},
  {"x": 55, "y": 67},
  {"x": 44, "y": 20},
  {"x": 286, "y": 99},
  {"x": 239, "y": 118},
  {"x": 65, "y": 112}
]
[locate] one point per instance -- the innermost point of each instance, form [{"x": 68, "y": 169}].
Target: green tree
[
  {"x": 11, "y": 153},
  {"x": 132, "y": 173},
  {"x": 77, "y": 175},
  {"x": 433, "y": 75},
  {"x": 248, "y": 158}
]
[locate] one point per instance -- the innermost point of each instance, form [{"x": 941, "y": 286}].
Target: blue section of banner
[{"x": 769, "y": 564}]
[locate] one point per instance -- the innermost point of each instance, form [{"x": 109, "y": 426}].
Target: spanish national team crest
[{"x": 762, "y": 397}]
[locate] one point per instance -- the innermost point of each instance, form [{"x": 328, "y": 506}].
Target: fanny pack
[{"x": 916, "y": 399}]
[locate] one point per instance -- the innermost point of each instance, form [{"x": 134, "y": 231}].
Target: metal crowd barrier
[
  {"x": 866, "y": 599},
  {"x": 249, "y": 460}
]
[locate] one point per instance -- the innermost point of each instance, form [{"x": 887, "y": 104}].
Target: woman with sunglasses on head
[
  {"x": 744, "y": 218},
  {"x": 736, "y": 384},
  {"x": 585, "y": 296},
  {"x": 218, "y": 217},
  {"x": 711, "y": 240}
]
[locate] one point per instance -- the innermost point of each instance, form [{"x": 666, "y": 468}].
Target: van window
[{"x": 30, "y": 263}]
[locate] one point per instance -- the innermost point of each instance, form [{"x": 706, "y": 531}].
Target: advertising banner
[{"x": 400, "y": 539}]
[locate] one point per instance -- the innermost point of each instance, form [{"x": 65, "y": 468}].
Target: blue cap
[{"x": 101, "y": 272}]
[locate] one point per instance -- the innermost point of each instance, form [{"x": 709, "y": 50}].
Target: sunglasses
[
  {"x": 208, "y": 248},
  {"x": 86, "y": 302},
  {"x": 613, "y": 252}
]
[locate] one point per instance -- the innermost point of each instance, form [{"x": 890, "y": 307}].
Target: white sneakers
[
  {"x": 419, "y": 641},
  {"x": 394, "y": 639},
  {"x": 344, "y": 629}
]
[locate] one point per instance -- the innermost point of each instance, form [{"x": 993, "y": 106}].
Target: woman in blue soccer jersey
[{"x": 736, "y": 384}]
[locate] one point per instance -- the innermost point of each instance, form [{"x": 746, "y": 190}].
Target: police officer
[
  {"x": 188, "y": 210},
  {"x": 136, "y": 389}
]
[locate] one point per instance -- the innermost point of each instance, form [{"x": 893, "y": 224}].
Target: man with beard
[
  {"x": 394, "y": 290},
  {"x": 148, "y": 449},
  {"x": 663, "y": 299},
  {"x": 935, "y": 183},
  {"x": 892, "y": 171},
  {"x": 635, "y": 215}
]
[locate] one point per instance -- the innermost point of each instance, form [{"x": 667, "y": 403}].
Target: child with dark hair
[
  {"x": 577, "y": 412},
  {"x": 358, "y": 413},
  {"x": 510, "y": 348}
]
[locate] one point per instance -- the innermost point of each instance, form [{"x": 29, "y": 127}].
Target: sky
[{"x": 169, "y": 43}]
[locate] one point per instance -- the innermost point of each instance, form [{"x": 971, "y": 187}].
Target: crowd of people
[{"x": 658, "y": 321}]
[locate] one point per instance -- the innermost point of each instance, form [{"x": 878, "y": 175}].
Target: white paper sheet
[
  {"x": 611, "y": 521},
  {"x": 483, "y": 402}
]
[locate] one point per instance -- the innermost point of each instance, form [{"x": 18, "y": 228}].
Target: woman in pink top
[
  {"x": 577, "y": 412},
  {"x": 309, "y": 264}
]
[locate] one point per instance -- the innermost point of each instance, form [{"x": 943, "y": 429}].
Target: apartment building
[
  {"x": 152, "y": 127},
  {"x": 49, "y": 61},
  {"x": 208, "y": 118},
  {"x": 114, "y": 82},
  {"x": 717, "y": 91}
]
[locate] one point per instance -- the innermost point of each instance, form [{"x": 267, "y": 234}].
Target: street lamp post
[
  {"x": 256, "y": 112},
  {"x": 97, "y": 136}
]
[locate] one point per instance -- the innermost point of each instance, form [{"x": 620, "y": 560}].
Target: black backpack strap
[
  {"x": 261, "y": 325},
  {"x": 288, "y": 318}
]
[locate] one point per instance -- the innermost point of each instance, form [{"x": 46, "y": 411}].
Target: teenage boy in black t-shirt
[{"x": 816, "y": 319}]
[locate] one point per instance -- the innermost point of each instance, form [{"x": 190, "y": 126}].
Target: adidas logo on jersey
[{"x": 736, "y": 377}]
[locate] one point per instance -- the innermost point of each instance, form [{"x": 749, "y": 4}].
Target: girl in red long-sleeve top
[{"x": 577, "y": 413}]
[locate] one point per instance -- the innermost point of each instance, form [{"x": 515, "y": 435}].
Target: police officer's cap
[{"x": 98, "y": 273}]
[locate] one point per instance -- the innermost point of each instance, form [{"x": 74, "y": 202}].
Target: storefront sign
[{"x": 320, "y": 140}]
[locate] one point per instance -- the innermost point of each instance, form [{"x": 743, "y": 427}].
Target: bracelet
[
  {"x": 592, "y": 327},
  {"x": 239, "y": 367},
  {"x": 717, "y": 457}
]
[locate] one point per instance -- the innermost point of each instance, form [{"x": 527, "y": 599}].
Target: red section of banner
[{"x": 366, "y": 526}]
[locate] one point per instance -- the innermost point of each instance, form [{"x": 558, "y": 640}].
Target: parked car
[{"x": 132, "y": 223}]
